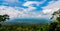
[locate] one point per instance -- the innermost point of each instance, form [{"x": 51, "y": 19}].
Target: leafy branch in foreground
[
  {"x": 54, "y": 24},
  {"x": 56, "y": 14}
]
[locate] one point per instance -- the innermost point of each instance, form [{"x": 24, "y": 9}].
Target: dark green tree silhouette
[
  {"x": 4, "y": 18},
  {"x": 54, "y": 24},
  {"x": 57, "y": 15}
]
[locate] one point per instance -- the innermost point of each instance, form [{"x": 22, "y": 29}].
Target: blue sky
[
  {"x": 29, "y": 8},
  {"x": 19, "y": 3}
]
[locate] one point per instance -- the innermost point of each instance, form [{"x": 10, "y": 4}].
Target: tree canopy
[
  {"x": 54, "y": 25},
  {"x": 57, "y": 15},
  {"x": 4, "y": 17}
]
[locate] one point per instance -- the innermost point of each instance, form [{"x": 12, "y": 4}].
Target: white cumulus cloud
[
  {"x": 13, "y": 13},
  {"x": 53, "y": 5},
  {"x": 28, "y": 3}
]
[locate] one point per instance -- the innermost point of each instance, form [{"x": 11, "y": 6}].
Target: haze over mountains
[{"x": 26, "y": 21}]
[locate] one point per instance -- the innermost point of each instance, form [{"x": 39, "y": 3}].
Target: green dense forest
[{"x": 53, "y": 26}]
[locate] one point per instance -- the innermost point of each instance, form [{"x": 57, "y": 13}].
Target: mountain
[{"x": 27, "y": 21}]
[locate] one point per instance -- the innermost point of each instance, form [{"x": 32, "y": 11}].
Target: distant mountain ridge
[{"x": 27, "y": 21}]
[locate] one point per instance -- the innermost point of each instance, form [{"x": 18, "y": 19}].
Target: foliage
[
  {"x": 56, "y": 14},
  {"x": 4, "y": 17},
  {"x": 55, "y": 26},
  {"x": 24, "y": 28}
]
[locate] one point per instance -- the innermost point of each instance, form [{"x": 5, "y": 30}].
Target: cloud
[
  {"x": 47, "y": 11},
  {"x": 53, "y": 5},
  {"x": 28, "y": 3},
  {"x": 18, "y": 12},
  {"x": 8, "y": 10},
  {"x": 14, "y": 13},
  {"x": 11, "y": 1},
  {"x": 50, "y": 8}
]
